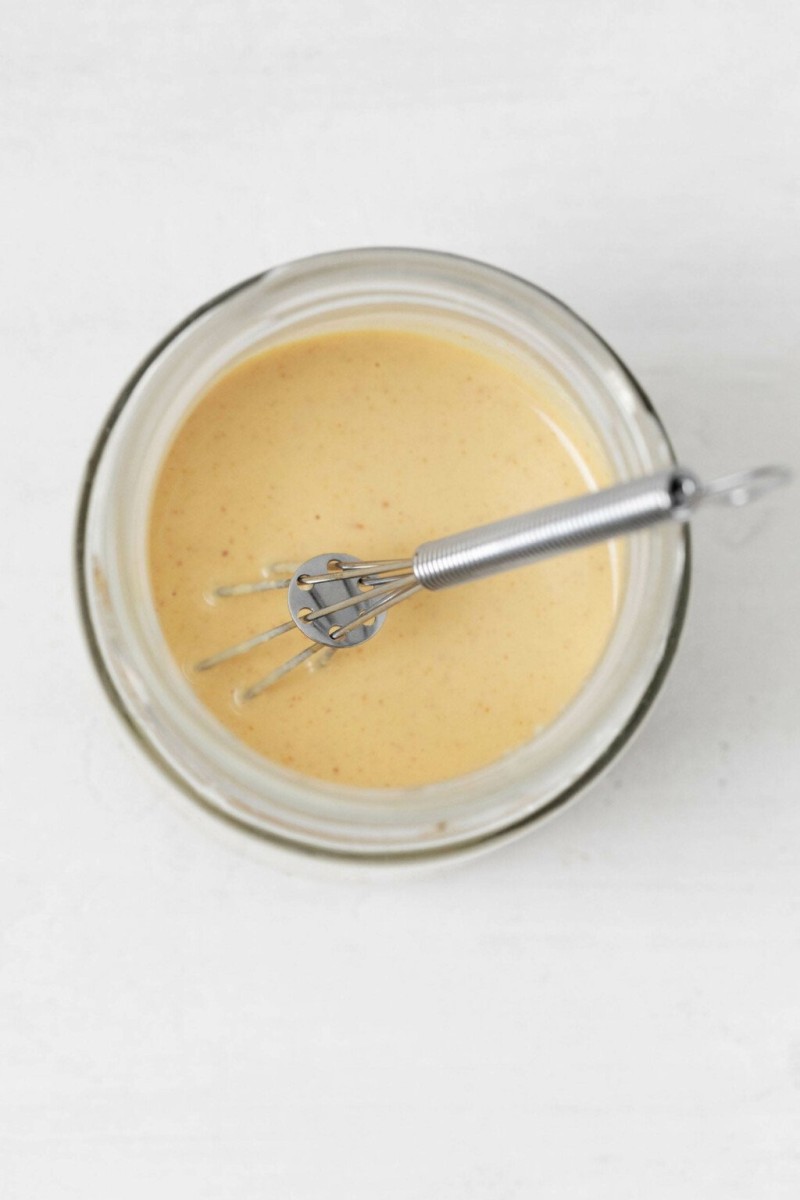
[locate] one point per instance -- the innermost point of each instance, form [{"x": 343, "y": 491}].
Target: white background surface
[{"x": 609, "y": 1007}]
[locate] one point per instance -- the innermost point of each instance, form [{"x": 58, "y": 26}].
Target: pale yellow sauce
[{"x": 370, "y": 442}]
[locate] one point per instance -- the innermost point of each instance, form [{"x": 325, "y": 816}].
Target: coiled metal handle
[{"x": 527, "y": 537}]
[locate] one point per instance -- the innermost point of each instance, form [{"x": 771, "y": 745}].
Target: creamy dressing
[{"x": 370, "y": 442}]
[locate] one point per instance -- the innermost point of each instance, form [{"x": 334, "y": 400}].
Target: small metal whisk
[{"x": 339, "y": 601}]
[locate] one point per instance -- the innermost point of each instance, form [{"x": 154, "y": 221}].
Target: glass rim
[{"x": 394, "y": 854}]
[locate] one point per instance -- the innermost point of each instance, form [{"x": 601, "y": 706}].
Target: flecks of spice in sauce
[{"x": 455, "y": 679}]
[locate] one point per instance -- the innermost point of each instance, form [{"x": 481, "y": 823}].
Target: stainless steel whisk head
[{"x": 339, "y": 601}]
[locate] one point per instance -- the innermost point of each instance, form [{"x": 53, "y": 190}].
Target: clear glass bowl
[{"x": 388, "y": 287}]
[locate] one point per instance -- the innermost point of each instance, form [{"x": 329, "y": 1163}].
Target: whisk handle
[{"x": 527, "y": 537}]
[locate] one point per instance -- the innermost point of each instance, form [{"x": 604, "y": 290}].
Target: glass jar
[{"x": 351, "y": 289}]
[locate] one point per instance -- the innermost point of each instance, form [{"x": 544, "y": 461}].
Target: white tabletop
[{"x": 609, "y": 1007}]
